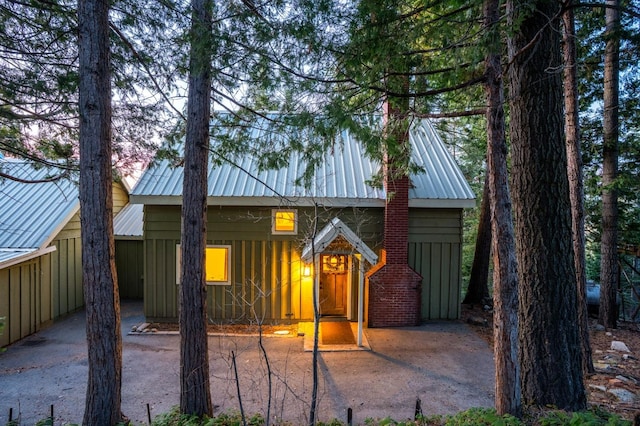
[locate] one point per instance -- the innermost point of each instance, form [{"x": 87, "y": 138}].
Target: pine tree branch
[
  {"x": 34, "y": 181},
  {"x": 137, "y": 55},
  {"x": 625, "y": 10},
  {"x": 453, "y": 114}
]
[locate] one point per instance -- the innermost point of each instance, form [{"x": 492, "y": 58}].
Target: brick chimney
[{"x": 394, "y": 288}]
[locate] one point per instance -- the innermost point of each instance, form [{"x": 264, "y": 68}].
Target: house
[
  {"x": 272, "y": 242},
  {"x": 40, "y": 247}
]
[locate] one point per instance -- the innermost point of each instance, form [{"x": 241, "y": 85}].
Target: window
[
  {"x": 284, "y": 222},
  {"x": 217, "y": 263}
]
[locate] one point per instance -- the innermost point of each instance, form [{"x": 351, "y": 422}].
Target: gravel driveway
[{"x": 444, "y": 364}]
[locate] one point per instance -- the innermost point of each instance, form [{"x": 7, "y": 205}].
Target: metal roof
[
  {"x": 341, "y": 180},
  {"x": 31, "y": 214},
  {"x": 8, "y": 254},
  {"x": 128, "y": 221}
]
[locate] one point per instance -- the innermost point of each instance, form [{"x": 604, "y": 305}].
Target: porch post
[
  {"x": 360, "y": 298},
  {"x": 316, "y": 288}
]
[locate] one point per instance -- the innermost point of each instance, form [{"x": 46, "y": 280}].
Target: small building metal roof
[
  {"x": 128, "y": 223},
  {"x": 343, "y": 179},
  {"x": 32, "y": 214}
]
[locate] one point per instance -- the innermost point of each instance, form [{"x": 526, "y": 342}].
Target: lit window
[
  {"x": 217, "y": 261},
  {"x": 284, "y": 222},
  {"x": 217, "y": 264}
]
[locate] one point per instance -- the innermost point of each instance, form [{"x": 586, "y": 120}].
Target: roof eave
[
  {"x": 60, "y": 225},
  {"x": 304, "y": 201},
  {"x": 32, "y": 254},
  {"x": 175, "y": 200},
  {"x": 440, "y": 203}
]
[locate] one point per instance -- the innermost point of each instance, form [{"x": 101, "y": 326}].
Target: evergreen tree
[
  {"x": 576, "y": 185},
  {"x": 39, "y": 85},
  {"x": 549, "y": 347},
  {"x": 195, "y": 391},
  {"x": 505, "y": 272},
  {"x": 104, "y": 339},
  {"x": 590, "y": 29},
  {"x": 609, "y": 268}
]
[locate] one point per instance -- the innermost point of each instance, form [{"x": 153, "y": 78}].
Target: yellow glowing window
[
  {"x": 285, "y": 222},
  {"x": 217, "y": 264}
]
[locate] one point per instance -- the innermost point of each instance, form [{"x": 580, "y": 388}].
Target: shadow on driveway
[{"x": 444, "y": 364}]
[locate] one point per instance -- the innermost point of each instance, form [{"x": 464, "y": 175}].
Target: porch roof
[
  {"x": 329, "y": 233},
  {"x": 343, "y": 178}
]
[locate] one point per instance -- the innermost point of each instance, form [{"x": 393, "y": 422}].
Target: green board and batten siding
[
  {"x": 37, "y": 291},
  {"x": 266, "y": 272},
  {"x": 130, "y": 268},
  {"x": 66, "y": 269},
  {"x": 42, "y": 288},
  {"x": 22, "y": 292},
  {"x": 435, "y": 252}
]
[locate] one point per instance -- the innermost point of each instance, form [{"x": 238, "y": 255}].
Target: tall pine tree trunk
[
  {"x": 102, "y": 302},
  {"x": 609, "y": 275},
  {"x": 195, "y": 390},
  {"x": 505, "y": 272},
  {"x": 478, "y": 289},
  {"x": 549, "y": 351},
  {"x": 576, "y": 186}
]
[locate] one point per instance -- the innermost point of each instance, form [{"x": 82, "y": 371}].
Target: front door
[{"x": 333, "y": 285}]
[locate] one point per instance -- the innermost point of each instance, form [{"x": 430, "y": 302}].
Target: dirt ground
[{"x": 615, "y": 369}]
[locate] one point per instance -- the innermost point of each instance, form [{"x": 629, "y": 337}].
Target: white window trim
[
  {"x": 229, "y": 263},
  {"x": 295, "y": 222}
]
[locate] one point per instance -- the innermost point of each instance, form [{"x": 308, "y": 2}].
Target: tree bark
[
  {"x": 505, "y": 272},
  {"x": 576, "y": 185},
  {"x": 549, "y": 351},
  {"x": 478, "y": 289},
  {"x": 609, "y": 274},
  {"x": 104, "y": 341},
  {"x": 195, "y": 390}
]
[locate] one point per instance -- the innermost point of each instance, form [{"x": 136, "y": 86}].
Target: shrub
[
  {"x": 481, "y": 416},
  {"x": 594, "y": 417},
  {"x": 471, "y": 417},
  {"x": 174, "y": 418}
]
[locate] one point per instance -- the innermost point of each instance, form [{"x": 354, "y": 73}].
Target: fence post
[{"x": 418, "y": 411}]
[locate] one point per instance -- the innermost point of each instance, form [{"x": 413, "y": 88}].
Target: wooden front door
[{"x": 333, "y": 285}]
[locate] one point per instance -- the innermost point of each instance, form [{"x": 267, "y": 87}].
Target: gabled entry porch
[{"x": 340, "y": 260}]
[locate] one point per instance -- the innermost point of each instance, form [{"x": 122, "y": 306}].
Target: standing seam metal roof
[
  {"x": 128, "y": 221},
  {"x": 31, "y": 213},
  {"x": 340, "y": 180}
]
